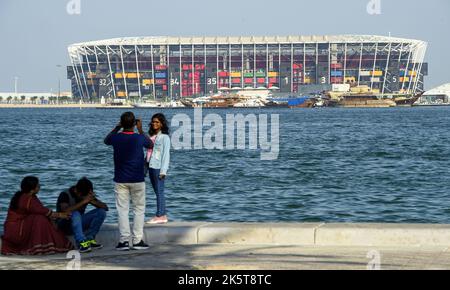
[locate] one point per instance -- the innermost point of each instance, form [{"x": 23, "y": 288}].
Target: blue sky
[{"x": 35, "y": 34}]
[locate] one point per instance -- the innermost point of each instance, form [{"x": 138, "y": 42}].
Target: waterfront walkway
[{"x": 265, "y": 246}]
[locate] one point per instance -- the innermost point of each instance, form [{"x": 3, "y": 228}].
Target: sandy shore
[{"x": 56, "y": 106}]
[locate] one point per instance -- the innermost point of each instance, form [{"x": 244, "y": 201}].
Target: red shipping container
[
  {"x": 223, "y": 74},
  {"x": 236, "y": 80},
  {"x": 160, "y": 81},
  {"x": 160, "y": 67},
  {"x": 336, "y": 80},
  {"x": 187, "y": 66},
  {"x": 336, "y": 66},
  {"x": 164, "y": 87},
  {"x": 200, "y": 66},
  {"x": 248, "y": 80},
  {"x": 297, "y": 66},
  {"x": 273, "y": 80},
  {"x": 261, "y": 80}
]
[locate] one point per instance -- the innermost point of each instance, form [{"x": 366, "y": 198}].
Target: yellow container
[
  {"x": 235, "y": 74},
  {"x": 377, "y": 73},
  {"x": 272, "y": 74},
  {"x": 413, "y": 73},
  {"x": 118, "y": 75},
  {"x": 404, "y": 79},
  {"x": 350, "y": 80},
  {"x": 376, "y": 91},
  {"x": 121, "y": 94},
  {"x": 307, "y": 80},
  {"x": 147, "y": 82}
]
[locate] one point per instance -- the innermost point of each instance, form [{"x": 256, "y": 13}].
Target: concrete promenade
[{"x": 258, "y": 246}]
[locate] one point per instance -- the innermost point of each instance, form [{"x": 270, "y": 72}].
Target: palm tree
[
  {"x": 42, "y": 99},
  {"x": 1, "y": 99},
  {"x": 9, "y": 99},
  {"x": 33, "y": 99},
  {"x": 22, "y": 99}
]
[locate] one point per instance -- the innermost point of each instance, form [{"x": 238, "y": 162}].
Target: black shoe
[
  {"x": 140, "y": 246},
  {"x": 94, "y": 245},
  {"x": 84, "y": 247},
  {"x": 125, "y": 246}
]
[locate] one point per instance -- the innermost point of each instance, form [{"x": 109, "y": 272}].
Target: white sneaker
[{"x": 158, "y": 220}]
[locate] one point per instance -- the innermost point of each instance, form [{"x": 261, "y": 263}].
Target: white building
[{"x": 436, "y": 96}]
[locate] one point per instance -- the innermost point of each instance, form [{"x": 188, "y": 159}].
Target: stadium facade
[{"x": 179, "y": 67}]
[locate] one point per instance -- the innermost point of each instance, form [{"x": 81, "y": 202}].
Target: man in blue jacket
[{"x": 129, "y": 179}]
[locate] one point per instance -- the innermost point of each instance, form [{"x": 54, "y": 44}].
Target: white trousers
[{"x": 136, "y": 193}]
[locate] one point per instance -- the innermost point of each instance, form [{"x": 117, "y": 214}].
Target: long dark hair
[
  {"x": 28, "y": 184},
  {"x": 163, "y": 120}
]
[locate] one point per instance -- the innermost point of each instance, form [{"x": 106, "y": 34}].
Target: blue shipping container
[
  {"x": 160, "y": 75},
  {"x": 336, "y": 73}
]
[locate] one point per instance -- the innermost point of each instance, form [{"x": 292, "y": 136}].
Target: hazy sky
[{"x": 35, "y": 34}]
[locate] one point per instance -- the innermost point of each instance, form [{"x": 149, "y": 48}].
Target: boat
[
  {"x": 155, "y": 104},
  {"x": 216, "y": 101},
  {"x": 363, "y": 100},
  {"x": 301, "y": 102},
  {"x": 407, "y": 102}
]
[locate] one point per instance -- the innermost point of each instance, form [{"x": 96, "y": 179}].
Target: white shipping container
[
  {"x": 340, "y": 88},
  {"x": 365, "y": 73},
  {"x": 375, "y": 80}
]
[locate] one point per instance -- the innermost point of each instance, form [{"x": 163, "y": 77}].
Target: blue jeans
[
  {"x": 158, "y": 187},
  {"x": 85, "y": 227}
]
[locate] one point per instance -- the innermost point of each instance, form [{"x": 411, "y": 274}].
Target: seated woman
[{"x": 28, "y": 229}]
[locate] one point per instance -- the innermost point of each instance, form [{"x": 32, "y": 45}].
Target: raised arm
[{"x": 112, "y": 133}]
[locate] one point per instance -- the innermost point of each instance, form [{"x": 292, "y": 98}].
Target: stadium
[{"x": 178, "y": 67}]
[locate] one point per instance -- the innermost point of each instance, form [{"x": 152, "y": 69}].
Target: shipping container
[
  {"x": 260, "y": 74},
  {"x": 248, "y": 80},
  {"x": 160, "y": 67},
  {"x": 297, "y": 66},
  {"x": 375, "y": 80},
  {"x": 336, "y": 80},
  {"x": 365, "y": 73},
  {"x": 236, "y": 80},
  {"x": 235, "y": 74},
  {"x": 272, "y": 74},
  {"x": 121, "y": 94},
  {"x": 260, "y": 80},
  {"x": 337, "y": 73},
  {"x": 248, "y": 75},
  {"x": 223, "y": 74},
  {"x": 350, "y": 79},
  {"x": 146, "y": 82},
  {"x": 336, "y": 66},
  {"x": 118, "y": 75},
  {"x": 160, "y": 82},
  {"x": 160, "y": 75},
  {"x": 199, "y": 66},
  {"x": 377, "y": 73},
  {"x": 187, "y": 66}
]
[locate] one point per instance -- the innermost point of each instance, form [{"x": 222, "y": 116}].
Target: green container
[{"x": 248, "y": 75}]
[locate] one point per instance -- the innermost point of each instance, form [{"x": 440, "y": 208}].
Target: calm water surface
[{"x": 334, "y": 165}]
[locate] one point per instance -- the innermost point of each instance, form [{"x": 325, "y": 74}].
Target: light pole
[
  {"x": 59, "y": 85},
  {"x": 15, "y": 84}
]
